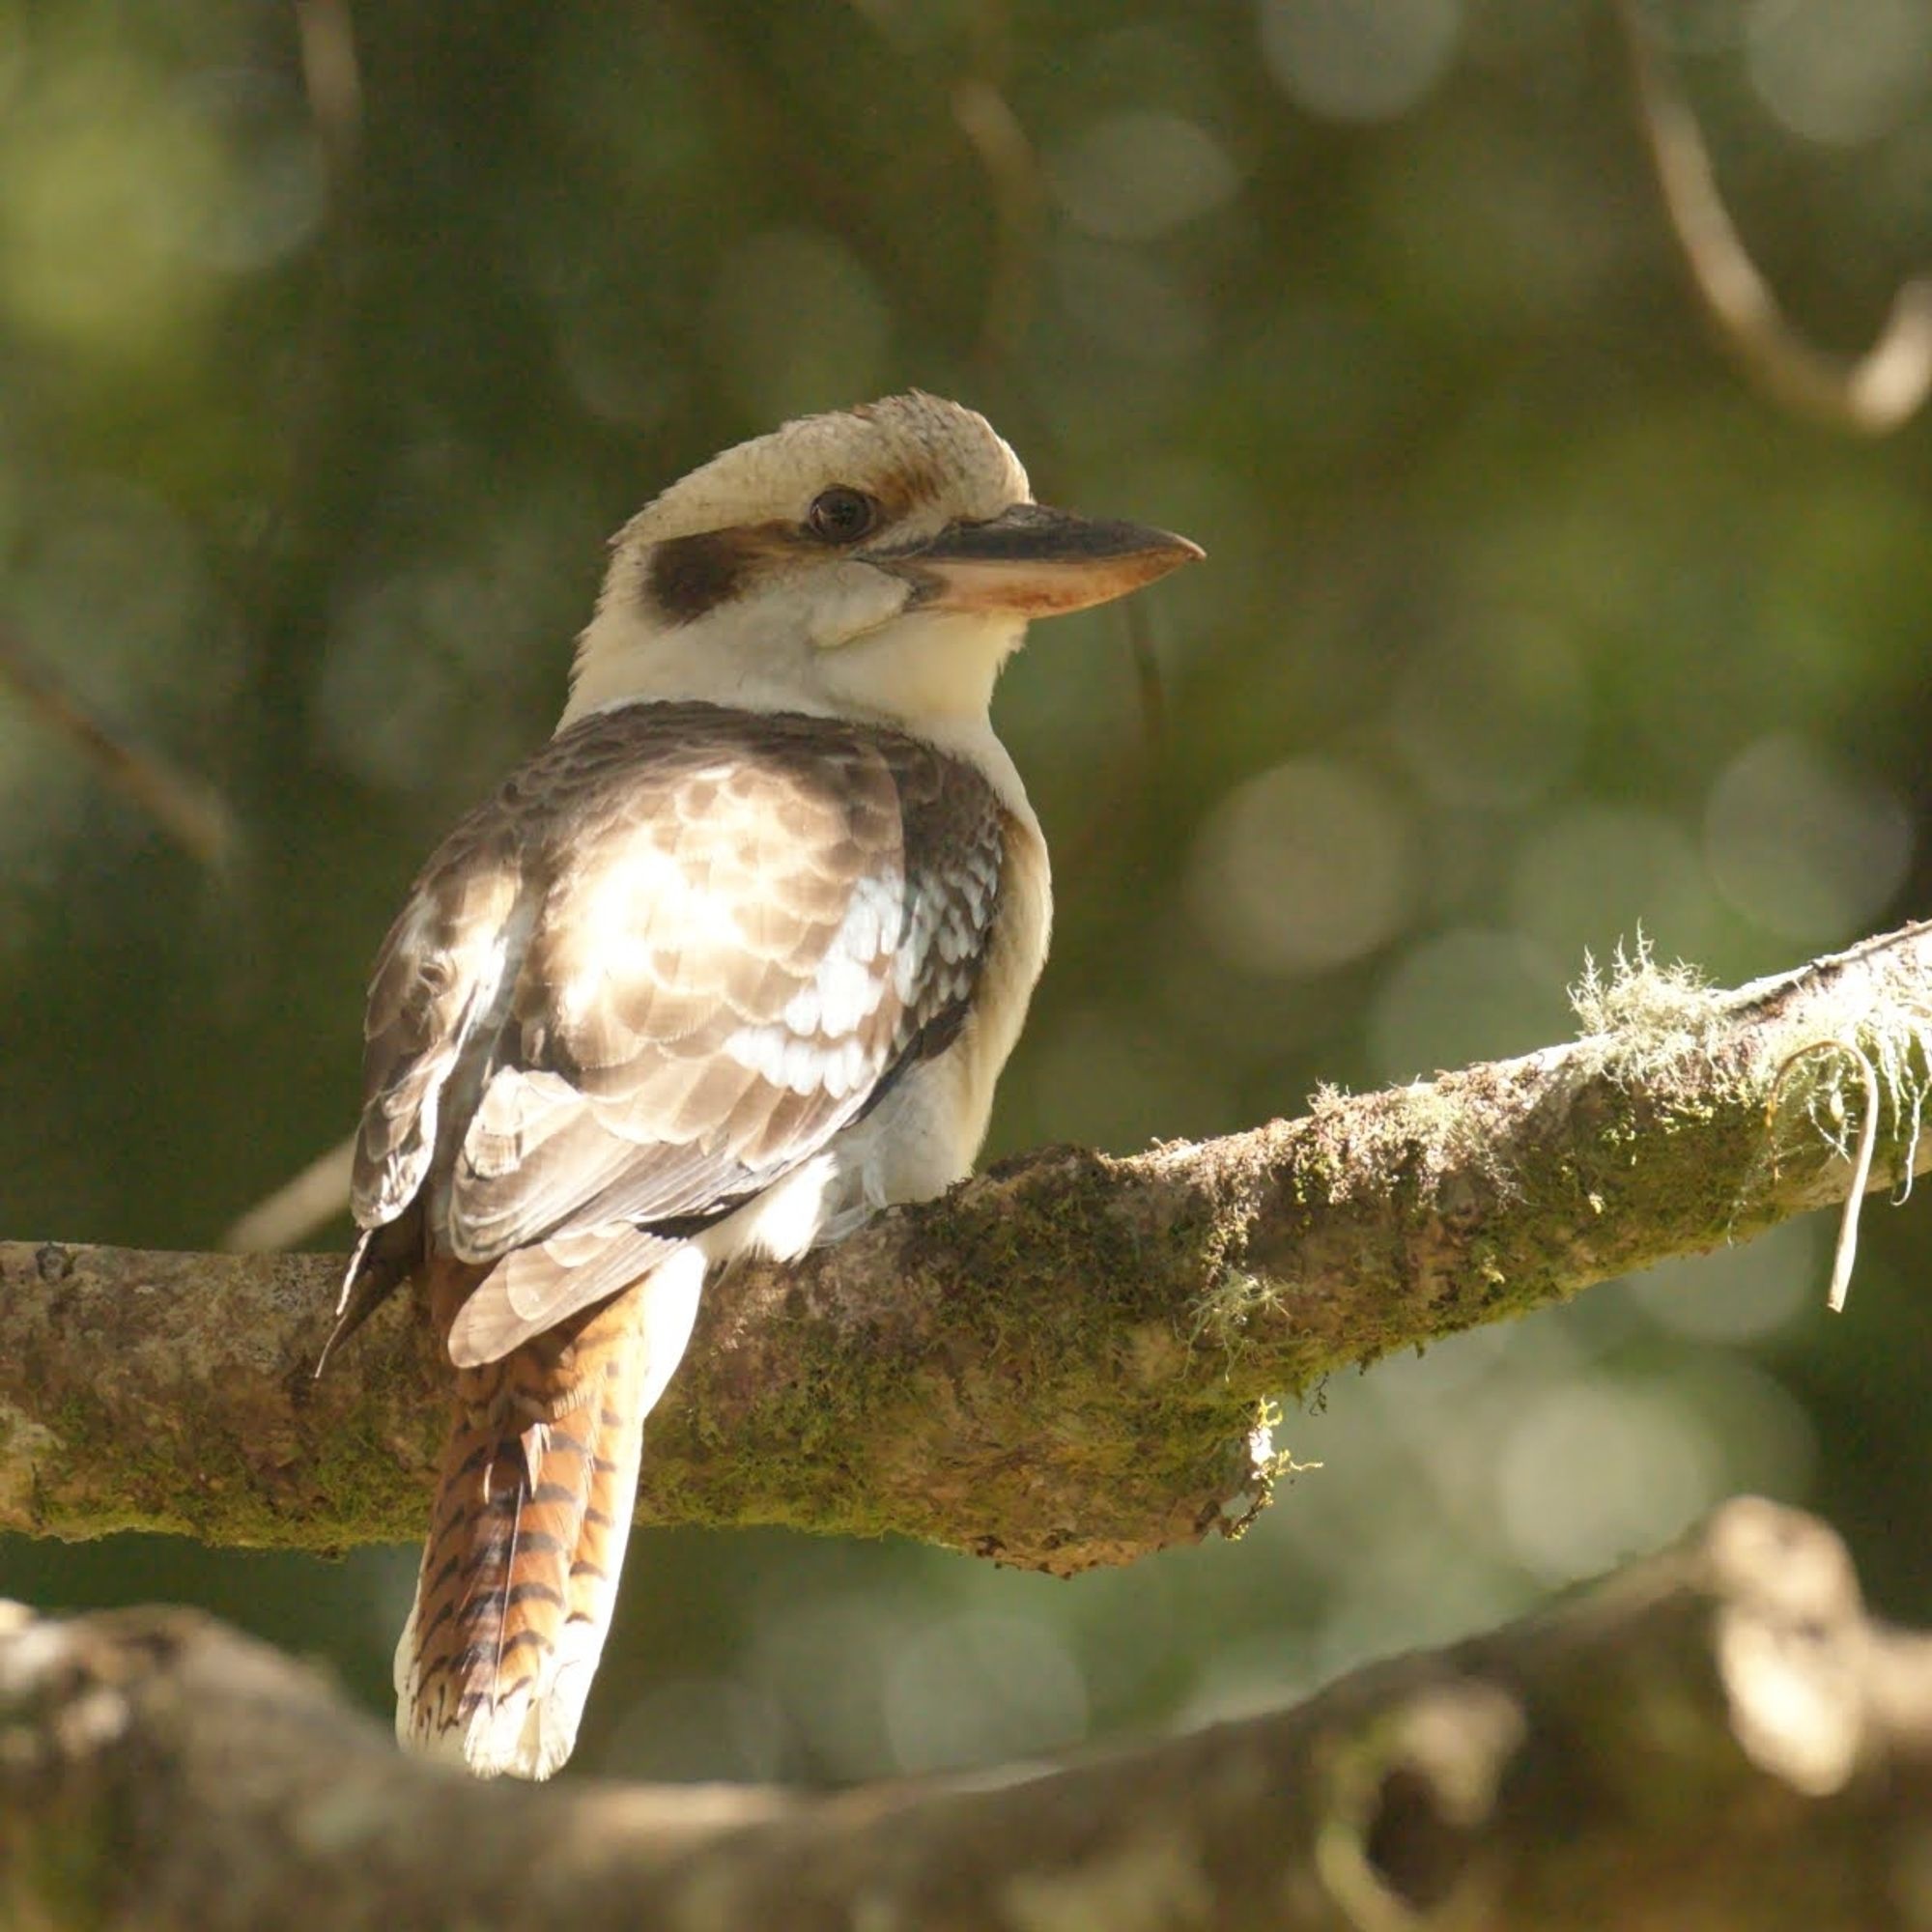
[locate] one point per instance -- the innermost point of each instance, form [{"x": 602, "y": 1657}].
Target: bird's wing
[{"x": 677, "y": 952}]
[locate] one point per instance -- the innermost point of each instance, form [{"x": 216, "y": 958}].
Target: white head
[{"x": 879, "y": 562}]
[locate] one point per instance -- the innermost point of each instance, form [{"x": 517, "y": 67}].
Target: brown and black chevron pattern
[{"x": 526, "y": 1537}]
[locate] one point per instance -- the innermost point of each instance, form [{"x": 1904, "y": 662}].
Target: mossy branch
[
  {"x": 1064, "y": 1362},
  {"x": 1719, "y": 1728}
]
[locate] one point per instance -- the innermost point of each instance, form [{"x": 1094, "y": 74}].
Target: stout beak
[{"x": 1036, "y": 562}]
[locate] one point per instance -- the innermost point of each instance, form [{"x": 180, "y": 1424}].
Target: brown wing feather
[
  {"x": 437, "y": 973},
  {"x": 531, "y": 1290},
  {"x": 679, "y": 950}
]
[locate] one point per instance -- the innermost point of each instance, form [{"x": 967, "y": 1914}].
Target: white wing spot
[{"x": 642, "y": 897}]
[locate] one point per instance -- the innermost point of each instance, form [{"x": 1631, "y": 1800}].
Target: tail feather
[{"x": 519, "y": 1575}]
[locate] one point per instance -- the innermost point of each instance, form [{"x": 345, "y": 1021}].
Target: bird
[{"x": 732, "y": 963}]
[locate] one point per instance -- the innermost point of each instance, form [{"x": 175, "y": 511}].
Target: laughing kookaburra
[{"x": 733, "y": 962}]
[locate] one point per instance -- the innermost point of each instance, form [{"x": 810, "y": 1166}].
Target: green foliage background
[{"x": 1526, "y": 624}]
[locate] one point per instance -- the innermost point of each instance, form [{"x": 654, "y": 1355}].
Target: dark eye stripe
[{"x": 689, "y": 575}]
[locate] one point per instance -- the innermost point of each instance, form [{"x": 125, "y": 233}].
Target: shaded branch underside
[
  {"x": 1715, "y": 1738},
  {"x": 1060, "y": 1364}
]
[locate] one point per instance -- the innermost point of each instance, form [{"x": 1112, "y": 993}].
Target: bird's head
[{"x": 879, "y": 561}]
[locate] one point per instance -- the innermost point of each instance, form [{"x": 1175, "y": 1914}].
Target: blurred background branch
[
  {"x": 333, "y": 81},
  {"x": 188, "y": 811},
  {"x": 295, "y": 1211},
  {"x": 1873, "y": 395},
  {"x": 1511, "y": 1782},
  {"x": 1065, "y": 1363}
]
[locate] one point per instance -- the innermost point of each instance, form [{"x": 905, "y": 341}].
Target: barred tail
[{"x": 519, "y": 1575}]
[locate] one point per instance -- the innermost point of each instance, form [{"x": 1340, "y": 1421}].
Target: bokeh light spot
[
  {"x": 1463, "y": 996},
  {"x": 1594, "y": 1472},
  {"x": 1807, "y": 848},
  {"x": 268, "y": 201},
  {"x": 1494, "y": 719},
  {"x": 1593, "y": 876},
  {"x": 820, "y": 1659},
  {"x": 977, "y": 1688},
  {"x": 1301, "y": 869},
  {"x": 1130, "y": 176},
  {"x": 103, "y": 169},
  {"x": 1840, "y": 70},
  {"x": 1358, "y": 60},
  {"x": 689, "y": 1730},
  {"x": 1127, "y": 303},
  {"x": 1737, "y": 1294}
]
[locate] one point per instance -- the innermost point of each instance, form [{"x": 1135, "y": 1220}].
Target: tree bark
[
  {"x": 1717, "y": 1737},
  {"x": 1065, "y": 1361}
]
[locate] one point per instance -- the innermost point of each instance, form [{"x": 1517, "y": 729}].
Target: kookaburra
[{"x": 732, "y": 962}]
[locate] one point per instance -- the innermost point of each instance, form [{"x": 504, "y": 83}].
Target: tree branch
[
  {"x": 1717, "y": 1737},
  {"x": 1064, "y": 1361}
]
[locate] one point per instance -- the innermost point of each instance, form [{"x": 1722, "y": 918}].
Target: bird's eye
[{"x": 841, "y": 515}]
